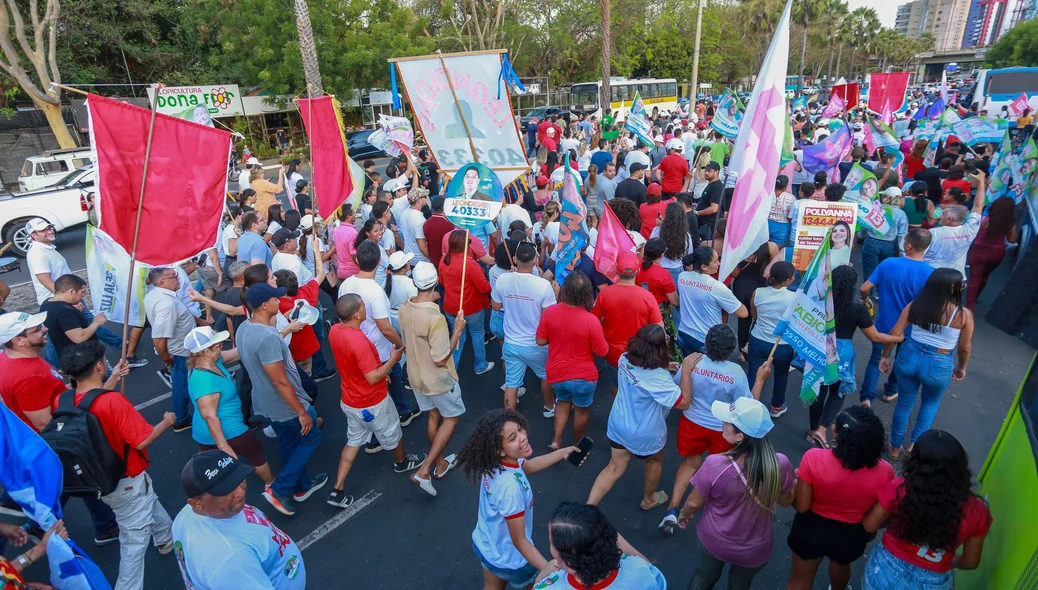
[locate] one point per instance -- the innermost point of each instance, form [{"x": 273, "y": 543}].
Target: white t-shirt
[
  {"x": 949, "y": 245},
  {"x": 244, "y": 182},
  {"x": 400, "y": 204},
  {"x": 376, "y": 306},
  {"x": 292, "y": 179},
  {"x": 702, "y": 299},
  {"x": 503, "y": 496},
  {"x": 272, "y": 227},
  {"x": 667, "y": 262},
  {"x": 634, "y": 574},
  {"x": 568, "y": 144},
  {"x": 244, "y": 551},
  {"x": 771, "y": 306},
  {"x": 228, "y": 233},
  {"x": 412, "y": 228},
  {"x": 638, "y": 420},
  {"x": 713, "y": 380},
  {"x": 550, "y": 233},
  {"x": 185, "y": 284},
  {"x": 403, "y": 289},
  {"x": 388, "y": 242},
  {"x": 287, "y": 261},
  {"x": 510, "y": 213},
  {"x": 44, "y": 259},
  {"x": 801, "y": 176},
  {"x": 639, "y": 240},
  {"x": 632, "y": 157},
  {"x": 524, "y": 297}
]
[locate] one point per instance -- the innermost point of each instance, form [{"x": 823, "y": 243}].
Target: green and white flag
[{"x": 638, "y": 121}]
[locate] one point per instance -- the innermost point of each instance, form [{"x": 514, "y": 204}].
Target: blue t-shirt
[
  {"x": 898, "y": 282},
  {"x": 587, "y": 128},
  {"x": 251, "y": 245},
  {"x": 531, "y": 133},
  {"x": 638, "y": 420},
  {"x": 201, "y": 383},
  {"x": 601, "y": 158}
]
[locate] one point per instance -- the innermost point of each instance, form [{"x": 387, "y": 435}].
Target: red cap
[
  {"x": 627, "y": 263},
  {"x": 654, "y": 190},
  {"x": 542, "y": 180}
]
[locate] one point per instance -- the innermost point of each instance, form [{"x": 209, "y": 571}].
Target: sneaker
[
  {"x": 268, "y": 431},
  {"x": 106, "y": 538},
  {"x": 549, "y": 412},
  {"x": 373, "y": 447},
  {"x": 490, "y": 367},
  {"x": 408, "y": 387},
  {"x": 279, "y": 502},
  {"x": 407, "y": 419},
  {"x": 521, "y": 393},
  {"x": 411, "y": 462},
  {"x": 339, "y": 499},
  {"x": 163, "y": 374},
  {"x": 182, "y": 425},
  {"x": 316, "y": 483},
  {"x": 136, "y": 362},
  {"x": 327, "y": 375},
  {"x": 489, "y": 338},
  {"x": 777, "y": 411},
  {"x": 167, "y": 548},
  {"x": 425, "y": 484},
  {"x": 670, "y": 523}
]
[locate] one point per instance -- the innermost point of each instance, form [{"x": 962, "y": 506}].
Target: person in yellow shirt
[
  {"x": 1025, "y": 119},
  {"x": 266, "y": 191}
]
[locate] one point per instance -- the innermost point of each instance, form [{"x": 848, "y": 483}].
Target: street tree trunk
[
  {"x": 832, "y": 52},
  {"x": 803, "y": 57},
  {"x": 311, "y": 69},
  {"x": 607, "y": 47},
  {"x": 839, "y": 60},
  {"x": 57, "y": 123},
  {"x": 854, "y": 54}
]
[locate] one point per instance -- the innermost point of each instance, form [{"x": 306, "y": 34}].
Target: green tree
[
  {"x": 864, "y": 25},
  {"x": 1018, "y": 47},
  {"x": 804, "y": 13}
]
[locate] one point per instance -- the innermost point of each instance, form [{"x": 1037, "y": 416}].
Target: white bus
[
  {"x": 660, "y": 95},
  {"x": 998, "y": 88}
]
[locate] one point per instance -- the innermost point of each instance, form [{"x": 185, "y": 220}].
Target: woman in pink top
[
  {"x": 835, "y": 490},
  {"x": 344, "y": 237},
  {"x": 989, "y": 249}
]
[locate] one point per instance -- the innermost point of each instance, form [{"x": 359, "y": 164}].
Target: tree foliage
[{"x": 1018, "y": 47}]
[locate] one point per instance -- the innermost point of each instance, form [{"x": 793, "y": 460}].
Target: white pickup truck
[{"x": 63, "y": 205}]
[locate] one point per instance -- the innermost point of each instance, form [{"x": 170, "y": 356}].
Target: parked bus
[
  {"x": 998, "y": 88},
  {"x": 659, "y": 95}
]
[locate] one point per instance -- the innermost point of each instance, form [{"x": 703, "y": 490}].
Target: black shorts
[
  {"x": 247, "y": 446},
  {"x": 616, "y": 445},
  {"x": 814, "y": 537}
]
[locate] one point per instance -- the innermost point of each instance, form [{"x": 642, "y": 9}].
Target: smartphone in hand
[{"x": 584, "y": 447}]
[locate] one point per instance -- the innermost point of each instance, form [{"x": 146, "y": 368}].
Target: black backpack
[{"x": 91, "y": 467}]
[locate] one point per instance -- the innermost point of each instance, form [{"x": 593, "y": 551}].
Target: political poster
[
  {"x": 863, "y": 190},
  {"x": 473, "y": 197},
  {"x": 976, "y": 130},
  {"x": 200, "y": 104},
  {"x": 481, "y": 119},
  {"x": 814, "y": 220},
  {"x": 638, "y": 122},
  {"x": 108, "y": 270},
  {"x": 727, "y": 116},
  {"x": 393, "y": 135}
]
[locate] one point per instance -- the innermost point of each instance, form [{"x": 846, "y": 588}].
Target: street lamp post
[{"x": 695, "y": 56}]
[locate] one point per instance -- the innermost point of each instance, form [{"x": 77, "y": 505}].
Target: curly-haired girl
[
  {"x": 497, "y": 456},
  {"x": 929, "y": 514}
]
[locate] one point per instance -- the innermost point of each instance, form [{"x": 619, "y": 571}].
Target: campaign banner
[
  {"x": 393, "y": 135},
  {"x": 481, "y": 119},
  {"x": 848, "y": 92},
  {"x": 108, "y": 270},
  {"x": 573, "y": 234},
  {"x": 1024, "y": 165},
  {"x": 814, "y": 220},
  {"x": 473, "y": 197},
  {"x": 976, "y": 130},
  {"x": 727, "y": 116},
  {"x": 198, "y": 103},
  {"x": 1001, "y": 173},
  {"x": 637, "y": 121},
  {"x": 337, "y": 178}
]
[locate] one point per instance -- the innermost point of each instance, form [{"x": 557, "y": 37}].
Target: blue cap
[{"x": 261, "y": 293}]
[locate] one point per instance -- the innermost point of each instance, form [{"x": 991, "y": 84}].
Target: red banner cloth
[
  {"x": 186, "y": 183},
  {"x": 849, "y": 93},
  {"x": 612, "y": 239},
  {"x": 336, "y": 178},
  {"x": 887, "y": 87}
]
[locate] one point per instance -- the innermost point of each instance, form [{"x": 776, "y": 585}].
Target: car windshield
[
  {"x": 68, "y": 178},
  {"x": 538, "y": 112}
]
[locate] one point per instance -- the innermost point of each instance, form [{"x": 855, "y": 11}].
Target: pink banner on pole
[{"x": 884, "y": 88}]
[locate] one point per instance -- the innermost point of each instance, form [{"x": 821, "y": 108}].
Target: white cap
[
  {"x": 747, "y": 414},
  {"x": 394, "y": 184},
  {"x": 424, "y": 276},
  {"x": 658, "y": 138},
  {"x": 37, "y": 224},
  {"x": 676, "y": 145},
  {"x": 252, "y": 161},
  {"x": 398, "y": 259},
  {"x": 892, "y": 192},
  {"x": 308, "y": 314},
  {"x": 306, "y": 221},
  {"x": 550, "y": 131},
  {"x": 203, "y": 337},
  {"x": 14, "y": 323}
]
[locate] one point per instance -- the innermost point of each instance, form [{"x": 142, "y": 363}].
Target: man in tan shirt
[{"x": 430, "y": 369}]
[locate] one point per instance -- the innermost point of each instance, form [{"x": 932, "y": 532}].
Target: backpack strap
[{"x": 89, "y": 397}]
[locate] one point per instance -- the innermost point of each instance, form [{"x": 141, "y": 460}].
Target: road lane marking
[
  {"x": 169, "y": 394},
  {"x": 338, "y": 520}
]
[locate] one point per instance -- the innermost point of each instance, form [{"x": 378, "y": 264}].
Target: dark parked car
[
  {"x": 359, "y": 148},
  {"x": 540, "y": 113}
]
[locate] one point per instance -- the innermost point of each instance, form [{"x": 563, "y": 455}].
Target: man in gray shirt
[
  {"x": 277, "y": 394},
  {"x": 171, "y": 321},
  {"x": 605, "y": 187}
]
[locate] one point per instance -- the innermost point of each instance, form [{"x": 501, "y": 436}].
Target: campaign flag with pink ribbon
[
  {"x": 1018, "y": 105},
  {"x": 834, "y": 108},
  {"x": 758, "y": 150}
]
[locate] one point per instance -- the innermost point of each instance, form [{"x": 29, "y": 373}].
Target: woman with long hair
[
  {"x": 989, "y": 249},
  {"x": 646, "y": 392},
  {"x": 957, "y": 179},
  {"x": 921, "y": 208},
  {"x": 752, "y": 274},
  {"x": 292, "y": 175},
  {"x": 588, "y": 553},
  {"x": 590, "y": 196},
  {"x": 266, "y": 191},
  {"x": 366, "y": 203},
  {"x": 550, "y": 164},
  {"x": 540, "y": 160},
  {"x": 704, "y": 299},
  {"x": 372, "y": 230},
  {"x": 739, "y": 492},
  {"x": 850, "y": 315},
  {"x": 929, "y": 513},
  {"x": 275, "y": 220},
  {"x": 925, "y": 361},
  {"x": 767, "y": 308},
  {"x": 497, "y": 456},
  {"x": 546, "y": 231},
  {"x": 659, "y": 283},
  {"x": 534, "y": 201},
  {"x": 840, "y": 239},
  {"x": 835, "y": 489},
  {"x": 915, "y": 160},
  {"x": 674, "y": 232},
  {"x": 476, "y": 298}
]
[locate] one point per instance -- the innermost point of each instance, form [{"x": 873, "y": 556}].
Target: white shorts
[
  {"x": 450, "y": 404},
  {"x": 385, "y": 425}
]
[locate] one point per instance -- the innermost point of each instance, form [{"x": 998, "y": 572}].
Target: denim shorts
[
  {"x": 497, "y": 323},
  {"x": 519, "y": 358},
  {"x": 520, "y": 578},
  {"x": 883, "y": 571},
  {"x": 579, "y": 391}
]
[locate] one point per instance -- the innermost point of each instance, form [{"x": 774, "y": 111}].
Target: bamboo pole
[
  {"x": 464, "y": 123},
  {"x": 464, "y": 263},
  {"x": 773, "y": 349}
]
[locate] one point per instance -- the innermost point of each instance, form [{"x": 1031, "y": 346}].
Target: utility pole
[{"x": 693, "y": 90}]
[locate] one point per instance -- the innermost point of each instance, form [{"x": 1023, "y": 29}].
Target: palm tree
[
  {"x": 311, "y": 70},
  {"x": 864, "y": 22},
  {"x": 833, "y": 13},
  {"x": 607, "y": 46},
  {"x": 804, "y": 12}
]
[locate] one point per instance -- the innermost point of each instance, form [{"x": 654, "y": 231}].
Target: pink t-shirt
[
  {"x": 838, "y": 493},
  {"x": 344, "y": 237},
  {"x": 734, "y": 528}
]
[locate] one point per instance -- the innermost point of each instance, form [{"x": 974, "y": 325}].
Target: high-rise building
[
  {"x": 946, "y": 20},
  {"x": 974, "y": 24},
  {"x": 911, "y": 17},
  {"x": 904, "y": 12}
]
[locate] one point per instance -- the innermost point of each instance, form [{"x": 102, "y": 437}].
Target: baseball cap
[
  {"x": 283, "y": 235},
  {"x": 14, "y": 323},
  {"x": 261, "y": 293},
  {"x": 306, "y": 221},
  {"x": 394, "y": 184},
  {"x": 416, "y": 194},
  {"x": 636, "y": 166},
  {"x": 627, "y": 263},
  {"x": 747, "y": 414},
  {"x": 653, "y": 190},
  {"x": 658, "y": 138},
  {"x": 213, "y": 472},
  {"x": 892, "y": 192},
  {"x": 712, "y": 166},
  {"x": 252, "y": 161},
  {"x": 676, "y": 145},
  {"x": 203, "y": 337},
  {"x": 542, "y": 180},
  {"x": 424, "y": 276},
  {"x": 37, "y": 224},
  {"x": 550, "y": 131},
  {"x": 398, "y": 259}
]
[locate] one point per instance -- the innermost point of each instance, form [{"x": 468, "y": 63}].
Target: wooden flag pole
[{"x": 773, "y": 349}]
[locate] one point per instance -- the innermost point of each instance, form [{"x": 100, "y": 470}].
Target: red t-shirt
[
  {"x": 913, "y": 165},
  {"x": 838, "y": 493},
  {"x": 355, "y": 355},
  {"x": 304, "y": 343},
  {"x": 28, "y": 385},
  {"x": 975, "y": 523},
  {"x": 649, "y": 214},
  {"x": 624, "y": 309},
  {"x": 962, "y": 183},
  {"x": 674, "y": 168},
  {"x": 477, "y": 287},
  {"x": 657, "y": 280},
  {"x": 436, "y": 228},
  {"x": 574, "y": 338},
  {"x": 123, "y": 426},
  {"x": 549, "y": 143}
]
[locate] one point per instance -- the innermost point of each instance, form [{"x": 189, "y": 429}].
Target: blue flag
[
  {"x": 920, "y": 113},
  {"x": 573, "y": 234},
  {"x": 827, "y": 153},
  {"x": 31, "y": 475},
  {"x": 936, "y": 109}
]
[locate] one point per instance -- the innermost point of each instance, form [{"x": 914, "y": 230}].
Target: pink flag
[
  {"x": 1018, "y": 105},
  {"x": 890, "y": 87},
  {"x": 834, "y": 108},
  {"x": 755, "y": 158},
  {"x": 887, "y": 117},
  {"x": 612, "y": 239},
  {"x": 869, "y": 143}
]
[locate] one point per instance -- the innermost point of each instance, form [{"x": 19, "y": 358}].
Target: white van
[{"x": 51, "y": 166}]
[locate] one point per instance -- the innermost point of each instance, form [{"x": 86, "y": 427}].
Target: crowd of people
[{"x": 410, "y": 291}]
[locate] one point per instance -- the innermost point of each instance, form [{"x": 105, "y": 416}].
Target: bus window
[
  {"x": 1013, "y": 83},
  {"x": 615, "y": 91},
  {"x": 644, "y": 90},
  {"x": 672, "y": 88},
  {"x": 626, "y": 93}
]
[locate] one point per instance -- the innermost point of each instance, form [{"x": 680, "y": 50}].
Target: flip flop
[
  {"x": 888, "y": 398},
  {"x": 660, "y": 499},
  {"x": 817, "y": 442},
  {"x": 452, "y": 462}
]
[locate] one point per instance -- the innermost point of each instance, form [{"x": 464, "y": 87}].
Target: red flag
[
  {"x": 885, "y": 88},
  {"x": 337, "y": 179},
  {"x": 186, "y": 184},
  {"x": 612, "y": 239},
  {"x": 848, "y": 92}
]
